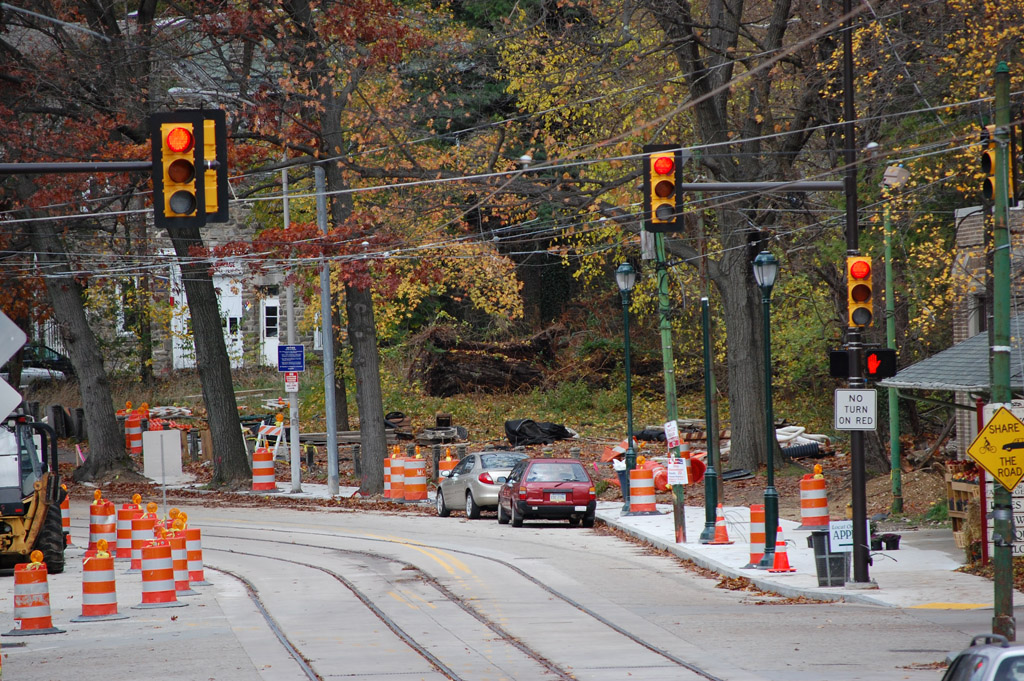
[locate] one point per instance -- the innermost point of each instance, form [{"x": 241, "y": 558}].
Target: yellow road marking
[{"x": 398, "y": 597}]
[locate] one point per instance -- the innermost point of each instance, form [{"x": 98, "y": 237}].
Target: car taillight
[
  {"x": 522, "y": 491},
  {"x": 591, "y": 494},
  {"x": 485, "y": 478}
]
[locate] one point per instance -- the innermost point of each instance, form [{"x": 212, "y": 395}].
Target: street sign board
[
  {"x": 291, "y": 381},
  {"x": 678, "y": 472},
  {"x": 856, "y": 409},
  {"x": 11, "y": 340},
  {"x": 841, "y": 535},
  {"x": 291, "y": 358},
  {"x": 671, "y": 434},
  {"x": 999, "y": 448}
]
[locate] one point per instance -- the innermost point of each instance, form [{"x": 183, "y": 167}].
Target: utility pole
[
  {"x": 669, "y": 371},
  {"x": 1002, "y": 508},
  {"x": 293, "y": 398},
  {"x": 327, "y": 331}
]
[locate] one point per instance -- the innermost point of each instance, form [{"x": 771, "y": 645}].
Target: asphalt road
[{"x": 376, "y": 596}]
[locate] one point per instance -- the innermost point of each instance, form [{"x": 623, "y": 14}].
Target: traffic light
[
  {"x": 858, "y": 290},
  {"x": 879, "y": 364},
  {"x": 215, "y": 156},
  {"x": 663, "y": 202},
  {"x": 190, "y": 182},
  {"x": 988, "y": 163}
]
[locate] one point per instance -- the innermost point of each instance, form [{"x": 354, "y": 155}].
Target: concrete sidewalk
[{"x": 920, "y": 574}]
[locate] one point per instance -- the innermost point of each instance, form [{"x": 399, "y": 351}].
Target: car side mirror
[
  {"x": 446, "y": 474},
  {"x": 501, "y": 479}
]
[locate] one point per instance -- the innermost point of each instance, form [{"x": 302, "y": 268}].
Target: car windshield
[
  {"x": 967, "y": 668},
  {"x": 500, "y": 459},
  {"x": 557, "y": 472}
]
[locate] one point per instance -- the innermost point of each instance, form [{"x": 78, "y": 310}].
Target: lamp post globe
[
  {"x": 625, "y": 279},
  {"x": 766, "y": 269}
]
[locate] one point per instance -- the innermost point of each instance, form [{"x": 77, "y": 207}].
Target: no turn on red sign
[{"x": 856, "y": 409}]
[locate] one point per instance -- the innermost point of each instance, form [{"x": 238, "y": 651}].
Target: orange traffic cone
[
  {"x": 781, "y": 557},
  {"x": 721, "y": 531}
]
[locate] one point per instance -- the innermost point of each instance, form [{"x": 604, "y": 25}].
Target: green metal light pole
[
  {"x": 766, "y": 269},
  {"x": 710, "y": 475},
  {"x": 894, "y": 177},
  {"x": 1002, "y": 510},
  {"x": 625, "y": 278}
]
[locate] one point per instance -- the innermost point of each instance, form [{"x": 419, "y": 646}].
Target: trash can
[{"x": 833, "y": 568}]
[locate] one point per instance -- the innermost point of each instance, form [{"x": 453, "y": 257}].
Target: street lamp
[
  {"x": 766, "y": 269},
  {"x": 625, "y": 278}
]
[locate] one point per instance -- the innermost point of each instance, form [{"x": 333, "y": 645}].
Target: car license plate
[{"x": 557, "y": 497}]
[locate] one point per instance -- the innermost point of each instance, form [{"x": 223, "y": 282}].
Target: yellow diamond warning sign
[{"x": 999, "y": 448}]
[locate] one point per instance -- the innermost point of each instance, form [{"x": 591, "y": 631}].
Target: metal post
[
  {"x": 858, "y": 483},
  {"x": 890, "y": 338},
  {"x": 771, "y": 495},
  {"x": 293, "y": 398},
  {"x": 710, "y": 475},
  {"x": 1002, "y": 510},
  {"x": 668, "y": 368},
  {"x": 327, "y": 330},
  {"x": 630, "y": 451}
]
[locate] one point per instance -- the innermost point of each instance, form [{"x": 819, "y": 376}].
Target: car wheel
[
  {"x": 517, "y": 518},
  {"x": 502, "y": 518},
  {"x": 472, "y": 510},
  {"x": 442, "y": 508},
  {"x": 588, "y": 520}
]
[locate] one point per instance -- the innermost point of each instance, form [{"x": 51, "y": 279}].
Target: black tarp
[{"x": 530, "y": 432}]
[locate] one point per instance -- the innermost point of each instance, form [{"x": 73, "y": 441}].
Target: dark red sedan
[{"x": 549, "y": 489}]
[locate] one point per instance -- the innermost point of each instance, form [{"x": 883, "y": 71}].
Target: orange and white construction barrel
[
  {"x": 387, "y": 478},
  {"x": 65, "y": 516},
  {"x": 263, "y": 470},
  {"x": 125, "y": 514},
  {"x": 415, "y": 482},
  {"x": 142, "y": 534},
  {"x": 133, "y": 433},
  {"x": 179, "y": 561},
  {"x": 158, "y": 576},
  {"x": 813, "y": 503},
  {"x": 756, "y": 535},
  {"x": 446, "y": 464},
  {"x": 32, "y": 601},
  {"x": 397, "y": 478},
  {"x": 641, "y": 491},
  {"x": 102, "y": 525},
  {"x": 194, "y": 554},
  {"x": 99, "y": 591}
]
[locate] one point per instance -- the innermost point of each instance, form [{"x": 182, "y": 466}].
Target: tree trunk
[
  {"x": 340, "y": 389},
  {"x": 362, "y": 334},
  {"x": 741, "y": 302},
  {"x": 107, "y": 454},
  {"x": 230, "y": 460}
]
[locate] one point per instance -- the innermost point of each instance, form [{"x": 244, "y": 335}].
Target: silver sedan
[{"x": 474, "y": 482}]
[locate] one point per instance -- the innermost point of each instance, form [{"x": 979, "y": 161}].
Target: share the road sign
[{"x": 999, "y": 448}]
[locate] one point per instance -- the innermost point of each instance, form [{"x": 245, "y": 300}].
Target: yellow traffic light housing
[
  {"x": 190, "y": 185},
  {"x": 663, "y": 201},
  {"x": 858, "y": 291}
]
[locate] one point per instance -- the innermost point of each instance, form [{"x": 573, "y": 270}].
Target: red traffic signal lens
[
  {"x": 861, "y": 293},
  {"x": 860, "y": 269},
  {"x": 663, "y": 165},
  {"x": 181, "y": 171},
  {"x": 180, "y": 140},
  {"x": 664, "y": 189}
]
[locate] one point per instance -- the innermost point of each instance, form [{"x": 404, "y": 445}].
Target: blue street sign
[{"x": 291, "y": 358}]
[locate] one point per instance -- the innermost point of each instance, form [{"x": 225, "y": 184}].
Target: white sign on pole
[
  {"x": 855, "y": 409},
  {"x": 11, "y": 340},
  {"x": 841, "y": 536},
  {"x": 671, "y": 434},
  {"x": 678, "y": 472},
  {"x": 291, "y": 381}
]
